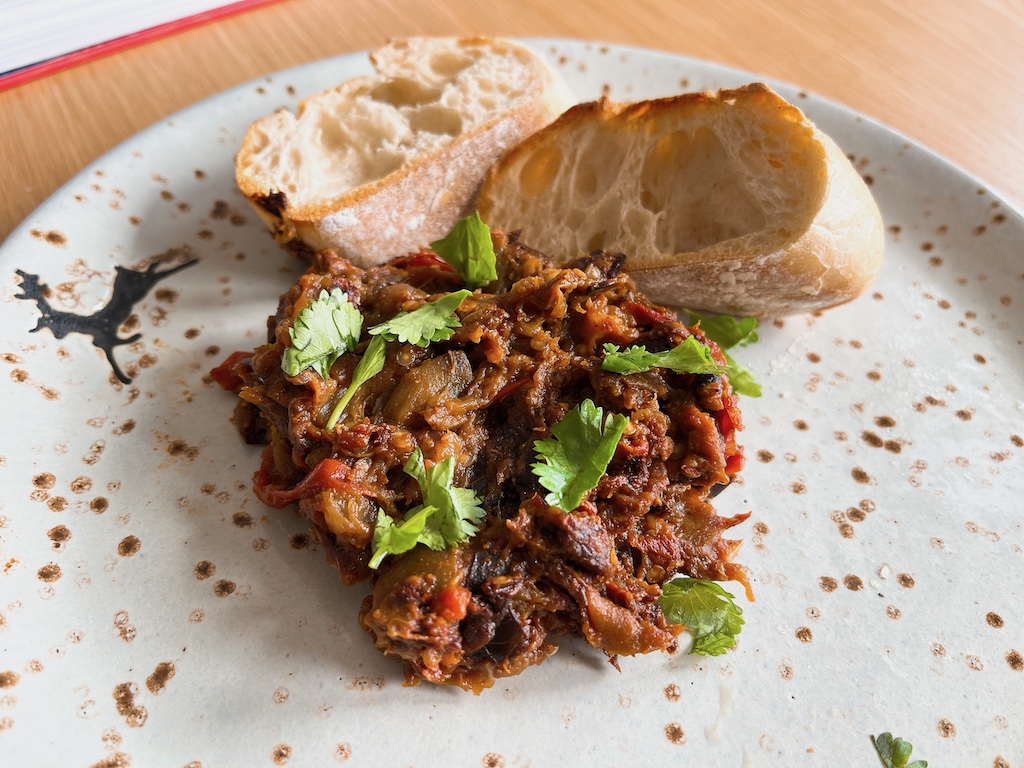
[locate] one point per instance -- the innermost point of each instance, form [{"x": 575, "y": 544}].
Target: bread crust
[
  {"x": 418, "y": 202},
  {"x": 787, "y": 225}
]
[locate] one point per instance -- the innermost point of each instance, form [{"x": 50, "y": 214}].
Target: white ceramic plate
[{"x": 152, "y": 612}]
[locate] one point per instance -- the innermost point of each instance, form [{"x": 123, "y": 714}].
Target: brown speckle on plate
[
  {"x": 111, "y": 738},
  {"x": 128, "y": 546},
  {"x": 49, "y": 573},
  {"x": 872, "y": 439},
  {"x": 204, "y": 569},
  {"x": 281, "y": 754},
  {"x": 59, "y": 534},
  {"x": 492, "y": 760},
  {"x": 803, "y": 634},
  {"x": 858, "y": 474},
  {"x": 946, "y": 728},
  {"x": 674, "y": 732},
  {"x": 124, "y": 699},
  {"x": 343, "y": 752},
  {"x": 994, "y": 620},
  {"x": 224, "y": 587},
  {"x": 827, "y": 584},
  {"x": 52, "y": 236},
  {"x": 124, "y": 627},
  {"x": 1015, "y": 660},
  {"x": 163, "y": 672},
  {"x": 115, "y": 760},
  {"x": 94, "y": 453},
  {"x": 181, "y": 448},
  {"x": 366, "y": 683},
  {"x": 853, "y": 583}
]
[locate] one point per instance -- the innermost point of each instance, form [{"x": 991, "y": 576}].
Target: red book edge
[{"x": 18, "y": 77}]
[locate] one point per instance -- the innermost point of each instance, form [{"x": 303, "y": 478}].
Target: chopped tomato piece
[{"x": 225, "y": 373}]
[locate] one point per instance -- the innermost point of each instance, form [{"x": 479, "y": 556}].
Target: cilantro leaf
[
  {"x": 688, "y": 357},
  {"x": 895, "y": 752},
  {"x": 706, "y": 610},
  {"x": 468, "y": 248},
  {"x": 725, "y": 330},
  {"x": 324, "y": 330},
  {"x": 741, "y": 379},
  {"x": 459, "y": 509},
  {"x": 447, "y": 516},
  {"x": 369, "y": 366},
  {"x": 575, "y": 457},
  {"x": 434, "y": 321},
  {"x": 394, "y": 539}
]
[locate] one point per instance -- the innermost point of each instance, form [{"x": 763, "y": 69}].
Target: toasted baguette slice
[
  {"x": 386, "y": 163},
  {"x": 731, "y": 202}
]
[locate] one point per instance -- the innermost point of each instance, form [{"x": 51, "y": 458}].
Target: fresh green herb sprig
[
  {"x": 575, "y": 457},
  {"x": 894, "y": 752},
  {"x": 706, "y": 610},
  {"x": 728, "y": 332},
  {"x": 434, "y": 321},
  {"x": 469, "y": 248},
  {"x": 690, "y": 356},
  {"x": 448, "y": 515},
  {"x": 371, "y": 363},
  {"x": 324, "y": 330}
]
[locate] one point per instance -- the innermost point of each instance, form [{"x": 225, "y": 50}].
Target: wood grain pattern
[{"x": 945, "y": 73}]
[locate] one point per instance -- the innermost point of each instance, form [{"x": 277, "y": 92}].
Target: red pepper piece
[
  {"x": 328, "y": 474},
  {"x": 423, "y": 259},
  {"x": 225, "y": 373},
  {"x": 645, "y": 315}
]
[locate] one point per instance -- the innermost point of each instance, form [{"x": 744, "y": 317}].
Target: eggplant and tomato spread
[{"x": 522, "y": 353}]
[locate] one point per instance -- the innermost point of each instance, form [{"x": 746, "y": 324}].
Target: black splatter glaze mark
[{"x": 130, "y": 287}]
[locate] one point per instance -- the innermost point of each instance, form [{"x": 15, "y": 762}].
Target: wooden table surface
[{"x": 946, "y": 73}]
